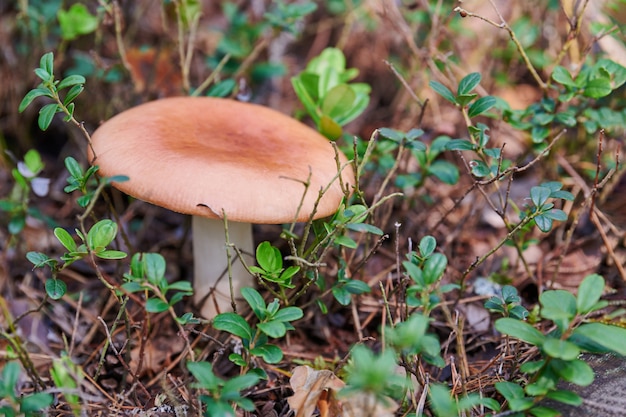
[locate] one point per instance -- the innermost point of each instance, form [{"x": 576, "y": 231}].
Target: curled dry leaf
[
  {"x": 318, "y": 390},
  {"x": 315, "y": 389}
]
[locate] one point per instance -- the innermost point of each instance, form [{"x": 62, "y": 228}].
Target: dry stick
[
  {"x": 575, "y": 22},
  {"x": 212, "y": 76},
  {"x": 504, "y": 25}
]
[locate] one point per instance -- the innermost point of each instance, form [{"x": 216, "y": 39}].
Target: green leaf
[
  {"x": 269, "y": 353},
  {"x": 611, "y": 337},
  {"x": 65, "y": 239},
  {"x": 561, "y": 349},
  {"x": 481, "y": 106},
  {"x": 273, "y": 328},
  {"x": 599, "y": 87},
  {"x": 342, "y": 296},
  {"x": 354, "y": 286},
  {"x": 337, "y": 101},
  {"x": 565, "y": 397},
  {"x": 268, "y": 257},
  {"x": 346, "y": 241},
  {"x": 111, "y": 254},
  {"x": 575, "y": 371},
  {"x": 589, "y": 293},
  {"x": 465, "y": 99},
  {"x": 558, "y": 306},
  {"x": 468, "y": 83},
  {"x": 46, "y": 114},
  {"x": 101, "y": 234},
  {"x": 255, "y": 301},
  {"x": 32, "y": 95},
  {"x": 154, "y": 267},
  {"x": 288, "y": 314},
  {"x": 234, "y": 324},
  {"x": 520, "y": 330},
  {"x": 239, "y": 383},
  {"x": 443, "y": 91},
  {"x": 480, "y": 169},
  {"x": 46, "y": 62},
  {"x": 55, "y": 288},
  {"x": 44, "y": 75},
  {"x": 76, "y": 21},
  {"x": 70, "y": 81},
  {"x": 445, "y": 171},
  {"x": 156, "y": 305},
  {"x": 73, "y": 93},
  {"x": 544, "y": 223},
  {"x": 38, "y": 259},
  {"x": 434, "y": 268},
  {"x": 427, "y": 246},
  {"x": 460, "y": 145},
  {"x": 365, "y": 228},
  {"x": 203, "y": 372},
  {"x": 562, "y": 76},
  {"x": 35, "y": 403},
  {"x": 73, "y": 167},
  {"x": 539, "y": 195},
  {"x": 329, "y": 127}
]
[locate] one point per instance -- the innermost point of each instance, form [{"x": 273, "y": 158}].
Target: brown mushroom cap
[{"x": 201, "y": 155}]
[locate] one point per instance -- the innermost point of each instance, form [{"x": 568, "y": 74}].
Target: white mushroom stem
[{"x": 211, "y": 264}]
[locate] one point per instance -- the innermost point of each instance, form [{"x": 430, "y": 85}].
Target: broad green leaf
[
  {"x": 596, "y": 88},
  {"x": 558, "y": 306},
  {"x": 101, "y": 234},
  {"x": 542, "y": 411},
  {"x": 155, "y": 265},
  {"x": 460, "y": 145},
  {"x": 539, "y": 195},
  {"x": 234, "y": 324},
  {"x": 354, "y": 286},
  {"x": 445, "y": 171},
  {"x": 565, "y": 397},
  {"x": 275, "y": 329},
  {"x": 441, "y": 401},
  {"x": 544, "y": 223},
  {"x": 561, "y": 349},
  {"x": 288, "y": 314},
  {"x": 239, "y": 383},
  {"x": 342, "y": 296},
  {"x": 65, "y": 239},
  {"x": 268, "y": 257},
  {"x": 73, "y": 167},
  {"x": 481, "y": 106},
  {"x": 434, "y": 268},
  {"x": 55, "y": 288},
  {"x": 255, "y": 301},
  {"x": 203, "y": 372},
  {"x": 44, "y": 75},
  {"x": 427, "y": 246},
  {"x": 480, "y": 169},
  {"x": 269, "y": 353},
  {"x": 337, "y": 101},
  {"x": 520, "y": 330},
  {"x": 575, "y": 371},
  {"x": 76, "y": 21},
  {"x": 393, "y": 134},
  {"x": 589, "y": 293},
  {"x": 468, "y": 83},
  {"x": 346, "y": 241},
  {"x": 465, "y": 99},
  {"x": 38, "y": 259},
  {"x": 611, "y": 337},
  {"x": 156, "y": 305},
  {"x": 443, "y": 91},
  {"x": 562, "y": 76},
  {"x": 33, "y": 404}
]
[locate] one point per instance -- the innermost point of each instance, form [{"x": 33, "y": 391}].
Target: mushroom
[{"x": 211, "y": 157}]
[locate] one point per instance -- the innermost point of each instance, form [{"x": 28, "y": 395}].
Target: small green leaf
[
  {"x": 561, "y": 349},
  {"x": 70, "y": 81},
  {"x": 544, "y": 223},
  {"x": 520, "y": 330},
  {"x": 460, "y": 145},
  {"x": 73, "y": 93},
  {"x": 365, "y": 228},
  {"x": 156, "y": 305},
  {"x": 558, "y": 306},
  {"x": 101, "y": 234},
  {"x": 329, "y": 127},
  {"x": 268, "y": 257},
  {"x": 275, "y": 329},
  {"x": 46, "y": 114},
  {"x": 234, "y": 324},
  {"x": 562, "y": 76},
  {"x": 346, "y": 241},
  {"x": 38, "y": 259},
  {"x": 468, "y": 83},
  {"x": 255, "y": 301},
  {"x": 55, "y": 288},
  {"x": 73, "y": 167},
  {"x": 427, "y": 246},
  {"x": 565, "y": 397},
  {"x": 575, "y": 371},
  {"x": 337, "y": 101},
  {"x": 589, "y": 293},
  {"x": 481, "y": 106},
  {"x": 434, "y": 268},
  {"x": 288, "y": 314},
  {"x": 65, "y": 239},
  {"x": 269, "y": 353},
  {"x": 539, "y": 195},
  {"x": 32, "y": 95},
  {"x": 599, "y": 87},
  {"x": 43, "y": 74},
  {"x": 154, "y": 267},
  {"x": 480, "y": 169},
  {"x": 46, "y": 62},
  {"x": 443, "y": 91},
  {"x": 111, "y": 254}
]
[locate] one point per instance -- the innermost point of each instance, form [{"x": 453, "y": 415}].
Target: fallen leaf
[{"x": 314, "y": 389}]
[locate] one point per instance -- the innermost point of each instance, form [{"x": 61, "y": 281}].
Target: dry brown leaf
[
  {"x": 314, "y": 389},
  {"x": 318, "y": 390}
]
